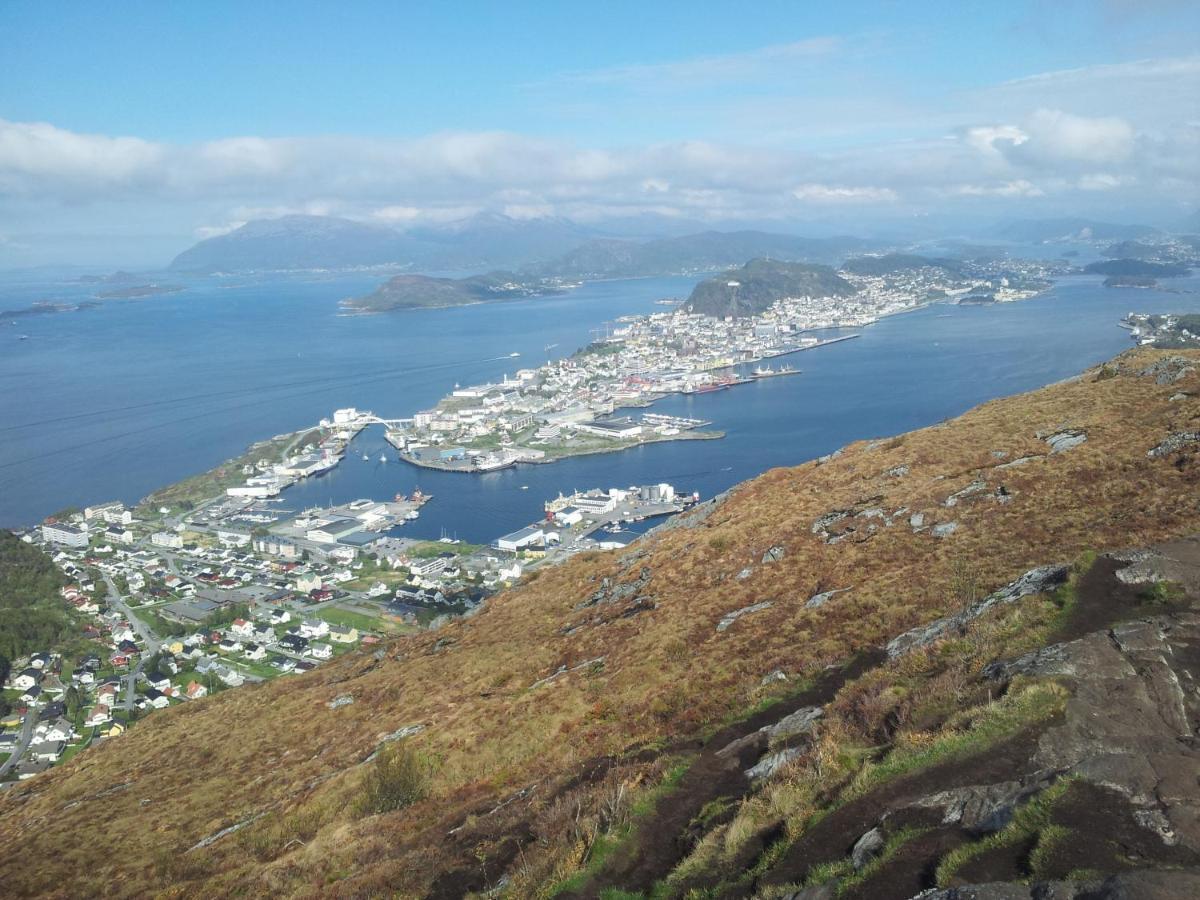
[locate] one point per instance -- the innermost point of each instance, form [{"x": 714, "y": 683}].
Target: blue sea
[{"x": 115, "y": 401}]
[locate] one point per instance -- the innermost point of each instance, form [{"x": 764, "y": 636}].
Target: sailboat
[{"x": 383, "y": 457}]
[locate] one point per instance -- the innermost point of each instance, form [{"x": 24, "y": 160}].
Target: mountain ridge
[
  {"x": 753, "y": 288},
  {"x": 565, "y": 717}
]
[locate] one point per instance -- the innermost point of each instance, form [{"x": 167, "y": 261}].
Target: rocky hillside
[
  {"x": 962, "y": 656},
  {"x": 754, "y": 287}
]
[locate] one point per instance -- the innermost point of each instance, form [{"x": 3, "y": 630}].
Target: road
[
  {"x": 149, "y": 638},
  {"x": 27, "y": 724}
]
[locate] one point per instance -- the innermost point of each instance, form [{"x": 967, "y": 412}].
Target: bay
[{"x": 131, "y": 396}]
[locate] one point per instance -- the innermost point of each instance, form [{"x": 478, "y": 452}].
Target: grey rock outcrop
[
  {"x": 816, "y": 601},
  {"x": 1169, "y": 370},
  {"x": 775, "y": 554},
  {"x": 772, "y": 763},
  {"x": 1035, "y": 581},
  {"x": 1174, "y": 444},
  {"x": 1067, "y": 439},
  {"x": 609, "y": 591},
  {"x": 731, "y": 617}
]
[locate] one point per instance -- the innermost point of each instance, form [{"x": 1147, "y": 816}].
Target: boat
[
  {"x": 412, "y": 514},
  {"x": 366, "y": 457},
  {"x": 383, "y": 457},
  {"x": 513, "y": 355},
  {"x": 524, "y": 487}
]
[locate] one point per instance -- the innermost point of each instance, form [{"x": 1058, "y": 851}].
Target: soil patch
[
  {"x": 833, "y": 837},
  {"x": 667, "y": 835}
]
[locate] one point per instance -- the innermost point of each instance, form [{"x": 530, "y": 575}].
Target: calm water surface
[{"x": 116, "y": 401}]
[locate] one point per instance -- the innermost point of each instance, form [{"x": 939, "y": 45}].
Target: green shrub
[{"x": 398, "y": 777}]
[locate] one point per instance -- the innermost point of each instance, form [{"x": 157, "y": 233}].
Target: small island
[
  {"x": 139, "y": 291},
  {"x": 1138, "y": 268},
  {"x": 1133, "y": 281},
  {"x": 429, "y": 292}
]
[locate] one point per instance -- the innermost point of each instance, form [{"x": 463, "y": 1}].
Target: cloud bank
[{"x": 1119, "y": 132}]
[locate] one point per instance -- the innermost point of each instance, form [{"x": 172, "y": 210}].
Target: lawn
[{"x": 363, "y": 622}]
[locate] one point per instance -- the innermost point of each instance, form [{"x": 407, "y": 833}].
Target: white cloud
[
  {"x": 1058, "y": 137},
  {"x": 825, "y": 193},
  {"x": 1104, "y": 134},
  {"x": 1017, "y": 188}
]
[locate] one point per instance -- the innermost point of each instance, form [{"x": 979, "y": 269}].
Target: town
[
  {"x": 213, "y": 583},
  {"x": 568, "y": 407}
]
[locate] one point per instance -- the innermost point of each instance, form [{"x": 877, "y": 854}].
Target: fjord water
[{"x": 115, "y": 401}]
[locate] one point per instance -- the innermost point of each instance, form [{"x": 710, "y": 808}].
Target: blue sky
[{"x": 162, "y": 122}]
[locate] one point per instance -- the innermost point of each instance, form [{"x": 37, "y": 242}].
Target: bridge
[{"x": 355, "y": 418}]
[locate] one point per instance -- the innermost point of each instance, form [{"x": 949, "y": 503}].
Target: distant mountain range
[
  {"x": 891, "y": 263},
  {"x": 326, "y": 242},
  {"x": 1040, "y": 231},
  {"x": 703, "y": 252},
  {"x": 752, "y": 288},
  {"x": 544, "y": 247}
]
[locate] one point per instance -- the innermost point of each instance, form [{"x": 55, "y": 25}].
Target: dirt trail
[{"x": 667, "y": 835}]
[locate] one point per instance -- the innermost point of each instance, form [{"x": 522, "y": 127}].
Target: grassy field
[
  {"x": 363, "y": 622},
  {"x": 545, "y": 711},
  {"x": 185, "y": 494}
]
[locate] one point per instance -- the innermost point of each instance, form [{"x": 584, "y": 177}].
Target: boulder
[
  {"x": 772, "y": 763},
  {"x": 866, "y": 848},
  {"x": 775, "y": 554}
]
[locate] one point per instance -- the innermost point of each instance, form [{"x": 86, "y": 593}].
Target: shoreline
[{"x": 683, "y": 436}]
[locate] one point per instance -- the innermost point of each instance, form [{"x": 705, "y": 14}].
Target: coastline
[{"x": 591, "y": 451}]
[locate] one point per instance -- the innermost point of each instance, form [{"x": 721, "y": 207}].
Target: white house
[
  {"x": 314, "y": 628},
  {"x": 320, "y": 651},
  {"x": 47, "y": 751},
  {"x": 306, "y": 583}
]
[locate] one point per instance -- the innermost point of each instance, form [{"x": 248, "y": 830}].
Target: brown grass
[{"x": 118, "y": 820}]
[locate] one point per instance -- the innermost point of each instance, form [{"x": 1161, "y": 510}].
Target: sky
[{"x": 129, "y": 131}]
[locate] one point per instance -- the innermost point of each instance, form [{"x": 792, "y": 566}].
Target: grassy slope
[{"x": 277, "y": 749}]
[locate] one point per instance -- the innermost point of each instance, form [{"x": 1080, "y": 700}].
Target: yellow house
[
  {"x": 114, "y": 729},
  {"x": 174, "y": 647},
  {"x": 343, "y": 634},
  {"x": 12, "y": 720}
]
